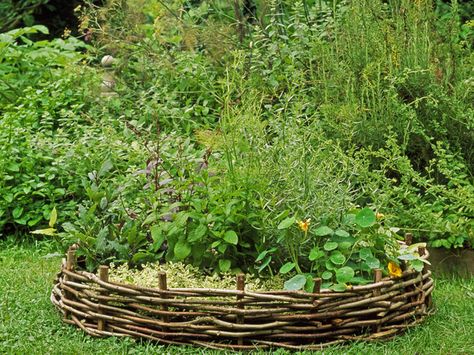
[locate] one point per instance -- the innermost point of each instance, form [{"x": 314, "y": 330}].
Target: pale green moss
[{"x": 181, "y": 275}]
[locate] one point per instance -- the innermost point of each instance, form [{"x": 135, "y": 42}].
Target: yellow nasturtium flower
[
  {"x": 379, "y": 216},
  {"x": 394, "y": 269},
  {"x": 304, "y": 225}
]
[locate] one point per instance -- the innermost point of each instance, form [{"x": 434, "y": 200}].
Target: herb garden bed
[{"x": 241, "y": 319}]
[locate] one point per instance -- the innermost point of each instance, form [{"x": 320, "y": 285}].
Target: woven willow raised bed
[{"x": 241, "y": 319}]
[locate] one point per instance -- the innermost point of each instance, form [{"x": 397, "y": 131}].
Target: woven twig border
[{"x": 241, "y": 319}]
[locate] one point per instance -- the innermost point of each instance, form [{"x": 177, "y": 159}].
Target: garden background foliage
[{"x": 231, "y": 124}]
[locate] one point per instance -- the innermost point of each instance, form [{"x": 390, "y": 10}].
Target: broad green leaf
[
  {"x": 344, "y": 274},
  {"x": 287, "y": 223},
  {"x": 323, "y": 231},
  {"x": 315, "y": 254},
  {"x": 295, "y": 283},
  {"x": 17, "y": 211},
  {"x": 157, "y": 236},
  {"x": 337, "y": 258},
  {"x": 224, "y": 265},
  {"x": 365, "y": 218},
  {"x": 287, "y": 268},
  {"x": 182, "y": 249},
  {"x": 197, "y": 233},
  {"x": 53, "y": 217},
  {"x": 328, "y": 246},
  {"x": 326, "y": 275},
  {"x": 373, "y": 262},
  {"x": 231, "y": 237}
]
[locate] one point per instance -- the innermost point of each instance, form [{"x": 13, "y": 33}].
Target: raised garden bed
[{"x": 240, "y": 319}]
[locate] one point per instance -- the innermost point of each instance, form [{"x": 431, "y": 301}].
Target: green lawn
[{"x": 30, "y": 325}]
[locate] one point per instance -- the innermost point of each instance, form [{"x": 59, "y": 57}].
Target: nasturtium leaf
[
  {"x": 373, "y": 262},
  {"x": 328, "y": 246},
  {"x": 365, "y": 218},
  {"x": 287, "y": 223},
  {"x": 309, "y": 285},
  {"x": 224, "y": 265},
  {"x": 295, "y": 283},
  {"x": 231, "y": 237},
  {"x": 182, "y": 249},
  {"x": 340, "y": 287},
  {"x": 417, "y": 265},
  {"x": 315, "y": 254},
  {"x": 345, "y": 245},
  {"x": 326, "y": 275},
  {"x": 344, "y": 274},
  {"x": 287, "y": 268},
  {"x": 329, "y": 265},
  {"x": 342, "y": 233},
  {"x": 357, "y": 280},
  {"x": 337, "y": 258},
  {"x": 364, "y": 253},
  {"x": 323, "y": 231}
]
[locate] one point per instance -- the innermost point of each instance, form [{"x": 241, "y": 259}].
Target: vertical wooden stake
[
  {"x": 103, "y": 276},
  {"x": 71, "y": 260},
  {"x": 316, "y": 287},
  {"x": 428, "y": 300},
  {"x": 70, "y": 266},
  {"x": 377, "y": 292},
  {"x": 240, "y": 287},
  {"x": 163, "y": 285}
]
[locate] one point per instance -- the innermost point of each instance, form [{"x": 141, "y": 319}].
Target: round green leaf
[
  {"x": 342, "y": 233},
  {"x": 182, "y": 249},
  {"x": 224, "y": 265},
  {"x": 231, "y": 237},
  {"x": 323, "y": 231},
  {"x": 338, "y": 287},
  {"x": 328, "y": 246},
  {"x": 372, "y": 262},
  {"x": 344, "y": 274},
  {"x": 287, "y": 223},
  {"x": 326, "y": 275},
  {"x": 345, "y": 245},
  {"x": 295, "y": 283},
  {"x": 287, "y": 268},
  {"x": 365, "y": 218},
  {"x": 315, "y": 254},
  {"x": 329, "y": 265},
  {"x": 337, "y": 258},
  {"x": 365, "y": 253},
  {"x": 417, "y": 265}
]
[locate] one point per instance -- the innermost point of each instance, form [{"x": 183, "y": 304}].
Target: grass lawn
[{"x": 30, "y": 325}]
